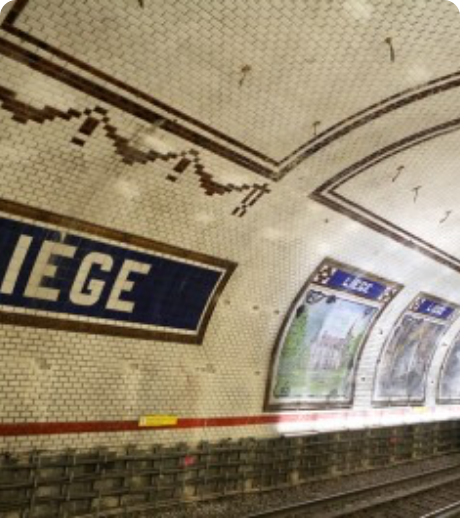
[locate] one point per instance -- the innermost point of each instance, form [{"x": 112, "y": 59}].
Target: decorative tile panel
[
  {"x": 319, "y": 345},
  {"x": 401, "y": 373}
]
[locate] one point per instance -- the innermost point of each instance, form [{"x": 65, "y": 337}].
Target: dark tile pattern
[{"x": 98, "y": 117}]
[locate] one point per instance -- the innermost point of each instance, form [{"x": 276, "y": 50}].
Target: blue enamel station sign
[
  {"x": 59, "y": 272},
  {"x": 339, "y": 277},
  {"x": 358, "y": 285},
  {"x": 432, "y": 308}
]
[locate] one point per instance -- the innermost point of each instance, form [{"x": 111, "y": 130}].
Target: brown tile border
[
  {"x": 327, "y": 195},
  {"x": 260, "y": 163},
  {"x": 105, "y": 95},
  {"x": 38, "y": 321},
  {"x": 447, "y": 323},
  {"x": 270, "y": 407},
  {"x": 15, "y": 11},
  {"x": 8, "y": 26}
]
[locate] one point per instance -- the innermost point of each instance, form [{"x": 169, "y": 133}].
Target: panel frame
[
  {"x": 270, "y": 406},
  {"x": 396, "y": 402}
]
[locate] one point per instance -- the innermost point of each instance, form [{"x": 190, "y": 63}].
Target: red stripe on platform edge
[
  {"x": 22, "y": 429},
  {"x": 19, "y": 429}
]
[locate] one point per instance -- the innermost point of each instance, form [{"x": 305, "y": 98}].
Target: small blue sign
[
  {"x": 435, "y": 309},
  {"x": 42, "y": 269},
  {"x": 358, "y": 285}
]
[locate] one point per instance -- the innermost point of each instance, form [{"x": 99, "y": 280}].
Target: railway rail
[{"x": 432, "y": 494}]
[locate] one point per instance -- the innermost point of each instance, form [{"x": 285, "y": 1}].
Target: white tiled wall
[{"x": 50, "y": 376}]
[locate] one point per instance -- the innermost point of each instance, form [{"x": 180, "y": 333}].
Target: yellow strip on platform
[{"x": 153, "y": 421}]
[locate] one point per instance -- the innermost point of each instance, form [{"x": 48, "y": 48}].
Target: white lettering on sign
[
  {"x": 15, "y": 265},
  {"x": 44, "y": 269},
  {"x": 356, "y": 284},
  {"x": 95, "y": 287},
  {"x": 436, "y": 309},
  {"x": 124, "y": 285},
  {"x": 84, "y": 291}
]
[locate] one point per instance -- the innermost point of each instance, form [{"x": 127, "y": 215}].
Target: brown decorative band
[{"x": 327, "y": 195}]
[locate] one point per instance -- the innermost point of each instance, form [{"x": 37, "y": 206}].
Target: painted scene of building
[
  {"x": 320, "y": 350},
  {"x": 449, "y": 385},
  {"x": 406, "y": 359}
]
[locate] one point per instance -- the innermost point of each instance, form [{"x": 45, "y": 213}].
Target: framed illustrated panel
[
  {"x": 449, "y": 377},
  {"x": 317, "y": 350},
  {"x": 406, "y": 357}
]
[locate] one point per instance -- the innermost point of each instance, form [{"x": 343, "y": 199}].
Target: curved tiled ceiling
[
  {"x": 261, "y": 81},
  {"x": 266, "y": 86}
]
